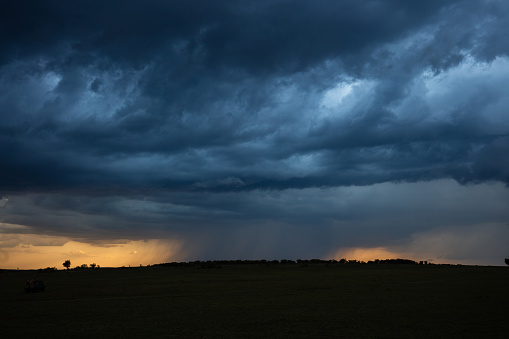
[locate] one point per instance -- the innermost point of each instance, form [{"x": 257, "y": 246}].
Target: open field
[{"x": 242, "y": 301}]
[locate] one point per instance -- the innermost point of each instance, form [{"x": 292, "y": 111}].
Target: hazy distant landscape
[{"x": 260, "y": 299}]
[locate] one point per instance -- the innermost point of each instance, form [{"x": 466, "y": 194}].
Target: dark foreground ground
[{"x": 259, "y": 301}]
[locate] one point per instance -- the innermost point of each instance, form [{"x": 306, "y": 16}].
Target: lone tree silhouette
[{"x": 67, "y": 264}]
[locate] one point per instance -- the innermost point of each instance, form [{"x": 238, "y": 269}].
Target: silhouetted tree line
[
  {"x": 394, "y": 261},
  {"x": 218, "y": 263},
  {"x": 67, "y": 265},
  {"x": 302, "y": 262},
  {"x": 85, "y": 266}
]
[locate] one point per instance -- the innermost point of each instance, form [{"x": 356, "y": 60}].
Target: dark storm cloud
[
  {"x": 267, "y": 35},
  {"x": 181, "y": 95}
]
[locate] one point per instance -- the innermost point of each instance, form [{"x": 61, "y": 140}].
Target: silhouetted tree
[
  {"x": 93, "y": 265},
  {"x": 67, "y": 264}
]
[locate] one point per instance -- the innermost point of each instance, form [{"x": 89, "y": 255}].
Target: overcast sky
[{"x": 254, "y": 130}]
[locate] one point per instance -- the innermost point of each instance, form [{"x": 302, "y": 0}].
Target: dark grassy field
[{"x": 256, "y": 301}]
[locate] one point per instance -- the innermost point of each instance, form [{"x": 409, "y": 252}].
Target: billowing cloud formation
[{"x": 169, "y": 116}]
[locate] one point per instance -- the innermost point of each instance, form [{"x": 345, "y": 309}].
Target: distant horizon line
[{"x": 342, "y": 261}]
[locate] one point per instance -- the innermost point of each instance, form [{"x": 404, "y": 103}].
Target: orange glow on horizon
[
  {"x": 131, "y": 253},
  {"x": 367, "y": 254},
  {"x": 370, "y": 254}
]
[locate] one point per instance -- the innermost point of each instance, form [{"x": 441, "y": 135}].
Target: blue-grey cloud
[{"x": 144, "y": 98}]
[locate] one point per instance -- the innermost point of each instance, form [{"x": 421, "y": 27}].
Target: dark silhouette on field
[
  {"x": 506, "y": 261},
  {"x": 34, "y": 286}
]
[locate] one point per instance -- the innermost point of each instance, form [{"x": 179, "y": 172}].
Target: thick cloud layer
[
  {"x": 123, "y": 101},
  {"x": 178, "y": 95}
]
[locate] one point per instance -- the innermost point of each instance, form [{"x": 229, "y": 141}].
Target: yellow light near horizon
[
  {"x": 130, "y": 253},
  {"x": 367, "y": 254}
]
